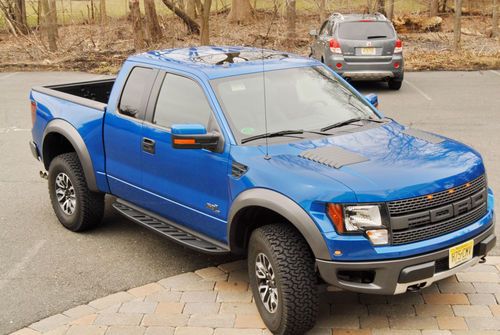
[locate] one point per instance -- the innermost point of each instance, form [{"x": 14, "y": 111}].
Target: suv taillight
[
  {"x": 335, "y": 46},
  {"x": 33, "y": 112},
  {"x": 398, "y": 48}
]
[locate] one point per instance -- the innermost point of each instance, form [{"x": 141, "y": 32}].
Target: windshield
[
  {"x": 306, "y": 98},
  {"x": 365, "y": 30}
]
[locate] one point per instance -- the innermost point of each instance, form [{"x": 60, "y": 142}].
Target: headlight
[{"x": 363, "y": 219}]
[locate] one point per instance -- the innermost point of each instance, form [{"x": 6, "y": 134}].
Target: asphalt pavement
[{"x": 45, "y": 269}]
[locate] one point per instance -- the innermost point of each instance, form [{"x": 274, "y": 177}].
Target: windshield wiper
[
  {"x": 349, "y": 121},
  {"x": 281, "y": 133}
]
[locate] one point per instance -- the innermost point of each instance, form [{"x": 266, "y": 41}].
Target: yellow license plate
[
  {"x": 461, "y": 253},
  {"x": 368, "y": 51}
]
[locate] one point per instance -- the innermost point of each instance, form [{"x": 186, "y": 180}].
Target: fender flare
[
  {"x": 65, "y": 129},
  {"x": 287, "y": 208}
]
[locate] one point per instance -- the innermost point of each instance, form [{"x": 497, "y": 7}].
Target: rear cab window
[
  {"x": 136, "y": 91},
  {"x": 360, "y": 30}
]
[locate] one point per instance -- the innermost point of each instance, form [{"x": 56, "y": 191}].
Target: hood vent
[
  {"x": 238, "y": 169},
  {"x": 423, "y": 135},
  {"x": 334, "y": 157}
]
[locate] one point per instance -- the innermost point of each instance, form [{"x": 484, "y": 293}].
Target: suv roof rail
[
  {"x": 337, "y": 14},
  {"x": 380, "y": 15}
]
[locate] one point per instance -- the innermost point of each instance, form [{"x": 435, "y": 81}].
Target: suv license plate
[
  {"x": 461, "y": 253},
  {"x": 368, "y": 51}
]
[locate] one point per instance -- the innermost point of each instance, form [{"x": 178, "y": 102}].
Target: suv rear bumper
[
  {"x": 402, "y": 275},
  {"x": 393, "y": 68}
]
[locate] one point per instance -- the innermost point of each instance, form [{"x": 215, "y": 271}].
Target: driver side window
[{"x": 325, "y": 28}]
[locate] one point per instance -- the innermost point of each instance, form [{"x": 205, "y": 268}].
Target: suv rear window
[{"x": 365, "y": 30}]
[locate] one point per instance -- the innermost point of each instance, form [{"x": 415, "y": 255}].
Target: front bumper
[
  {"x": 34, "y": 150},
  {"x": 401, "y": 275}
]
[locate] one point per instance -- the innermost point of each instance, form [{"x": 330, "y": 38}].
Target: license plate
[
  {"x": 368, "y": 51},
  {"x": 461, "y": 253}
]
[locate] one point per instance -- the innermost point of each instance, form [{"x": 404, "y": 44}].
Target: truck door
[
  {"x": 187, "y": 186},
  {"x": 122, "y": 133}
]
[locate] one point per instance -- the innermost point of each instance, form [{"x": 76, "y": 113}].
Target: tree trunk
[
  {"x": 443, "y": 6},
  {"x": 205, "y": 18},
  {"x": 135, "y": 15},
  {"x": 457, "y": 26},
  {"x": 53, "y": 16},
  {"x": 495, "y": 32},
  {"x": 191, "y": 8},
  {"x": 433, "y": 8},
  {"x": 192, "y": 25},
  {"x": 103, "y": 12},
  {"x": 291, "y": 18},
  {"x": 322, "y": 10},
  {"x": 381, "y": 6},
  {"x": 49, "y": 25},
  {"x": 241, "y": 11},
  {"x": 152, "y": 23},
  {"x": 20, "y": 16},
  {"x": 390, "y": 10}
]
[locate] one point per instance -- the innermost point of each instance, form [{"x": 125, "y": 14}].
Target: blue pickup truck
[{"x": 269, "y": 155}]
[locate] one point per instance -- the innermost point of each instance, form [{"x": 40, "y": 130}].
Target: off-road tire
[
  {"x": 89, "y": 208},
  {"x": 394, "y": 84},
  {"x": 293, "y": 265}
]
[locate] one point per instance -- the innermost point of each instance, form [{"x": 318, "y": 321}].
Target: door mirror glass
[
  {"x": 373, "y": 99},
  {"x": 193, "y": 136}
]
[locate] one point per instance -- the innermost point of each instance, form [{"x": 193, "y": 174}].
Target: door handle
[{"x": 148, "y": 145}]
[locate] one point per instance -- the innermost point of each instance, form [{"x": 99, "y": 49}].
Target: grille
[
  {"x": 407, "y": 206},
  {"x": 440, "y": 228}
]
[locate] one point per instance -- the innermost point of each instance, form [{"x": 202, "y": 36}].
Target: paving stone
[
  {"x": 201, "y": 307},
  {"x": 241, "y": 331},
  {"x": 193, "y": 331},
  {"x": 169, "y": 320},
  {"x": 84, "y": 320},
  {"x": 212, "y": 320},
  {"x": 405, "y": 299},
  {"x": 212, "y": 273},
  {"x": 340, "y": 298},
  {"x": 338, "y": 321},
  {"x": 111, "y": 309},
  {"x": 249, "y": 321},
  {"x": 199, "y": 296},
  {"x": 374, "y": 321},
  {"x": 111, "y": 300},
  {"x": 125, "y": 330},
  {"x": 238, "y": 308},
  {"x": 86, "y": 330},
  {"x": 392, "y": 310},
  {"x": 482, "y": 299},
  {"x": 227, "y": 296},
  {"x": 372, "y": 299},
  {"x": 451, "y": 322},
  {"x": 145, "y": 290},
  {"x": 493, "y": 260},
  {"x": 413, "y": 322},
  {"x": 233, "y": 286},
  {"x": 495, "y": 310},
  {"x": 79, "y": 311},
  {"x": 187, "y": 282},
  {"x": 144, "y": 307},
  {"x": 169, "y": 308},
  {"x": 50, "y": 323},
  {"x": 476, "y": 332},
  {"x": 26, "y": 331},
  {"x": 349, "y": 309},
  {"x": 158, "y": 330},
  {"x": 446, "y": 298},
  {"x": 395, "y": 332},
  {"x": 483, "y": 323},
  {"x": 233, "y": 266},
  {"x": 240, "y": 275},
  {"x": 351, "y": 332},
  {"x": 482, "y": 268},
  {"x": 436, "y": 332},
  {"x": 456, "y": 288},
  {"x": 474, "y": 310},
  {"x": 434, "y": 310},
  {"x": 487, "y": 287},
  {"x": 431, "y": 289},
  {"x": 61, "y": 330},
  {"x": 164, "y": 296},
  {"x": 478, "y": 277},
  {"x": 451, "y": 279},
  {"x": 118, "y": 319}
]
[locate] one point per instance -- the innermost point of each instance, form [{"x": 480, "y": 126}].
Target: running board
[{"x": 169, "y": 229}]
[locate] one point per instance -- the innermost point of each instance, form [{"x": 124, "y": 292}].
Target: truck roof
[{"x": 223, "y": 61}]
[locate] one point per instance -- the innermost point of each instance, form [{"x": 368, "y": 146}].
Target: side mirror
[
  {"x": 193, "y": 136},
  {"x": 373, "y": 99},
  {"x": 313, "y": 33}
]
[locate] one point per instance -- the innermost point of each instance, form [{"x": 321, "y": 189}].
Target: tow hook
[
  {"x": 44, "y": 175},
  {"x": 482, "y": 260},
  {"x": 415, "y": 288}
]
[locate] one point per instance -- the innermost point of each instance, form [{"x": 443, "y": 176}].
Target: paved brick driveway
[{"x": 217, "y": 301}]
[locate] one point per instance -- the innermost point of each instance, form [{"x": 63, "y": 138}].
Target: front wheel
[
  {"x": 395, "y": 84},
  {"x": 283, "y": 279}
]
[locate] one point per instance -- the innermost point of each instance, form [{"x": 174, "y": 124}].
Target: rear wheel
[
  {"x": 76, "y": 207},
  {"x": 395, "y": 84},
  {"x": 283, "y": 279}
]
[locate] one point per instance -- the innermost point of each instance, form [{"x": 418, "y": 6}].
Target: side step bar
[{"x": 169, "y": 229}]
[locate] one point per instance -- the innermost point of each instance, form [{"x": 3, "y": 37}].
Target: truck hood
[{"x": 382, "y": 163}]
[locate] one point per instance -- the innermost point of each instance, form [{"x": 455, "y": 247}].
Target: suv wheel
[
  {"x": 395, "y": 84},
  {"x": 76, "y": 207},
  {"x": 283, "y": 279}
]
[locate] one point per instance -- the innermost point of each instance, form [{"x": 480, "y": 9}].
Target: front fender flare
[
  {"x": 65, "y": 129},
  {"x": 287, "y": 208}
]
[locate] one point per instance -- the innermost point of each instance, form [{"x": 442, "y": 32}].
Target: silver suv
[{"x": 360, "y": 47}]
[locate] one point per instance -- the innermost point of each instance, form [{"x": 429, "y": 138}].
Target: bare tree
[
  {"x": 380, "y": 6},
  {"x": 192, "y": 25},
  {"x": 103, "y": 13},
  {"x": 191, "y": 8},
  {"x": 152, "y": 24},
  {"x": 433, "y": 8},
  {"x": 53, "y": 16},
  {"x": 390, "y": 9},
  {"x": 205, "y": 18},
  {"x": 49, "y": 26},
  {"x": 14, "y": 13},
  {"x": 457, "y": 26},
  {"x": 291, "y": 18},
  {"x": 241, "y": 11},
  {"x": 135, "y": 15},
  {"x": 494, "y": 20},
  {"x": 322, "y": 10}
]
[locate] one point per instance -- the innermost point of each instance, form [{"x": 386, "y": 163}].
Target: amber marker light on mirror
[
  {"x": 184, "y": 141},
  {"x": 336, "y": 214}
]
